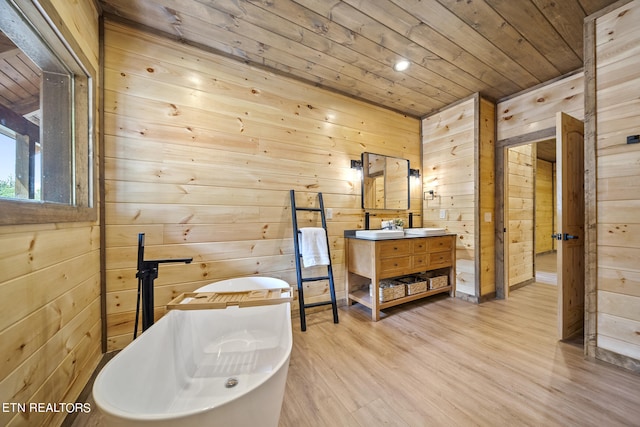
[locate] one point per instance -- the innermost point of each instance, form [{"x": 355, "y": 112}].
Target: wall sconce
[
  {"x": 356, "y": 165},
  {"x": 415, "y": 173}
]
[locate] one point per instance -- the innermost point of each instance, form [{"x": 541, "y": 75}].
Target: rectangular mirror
[{"x": 385, "y": 182}]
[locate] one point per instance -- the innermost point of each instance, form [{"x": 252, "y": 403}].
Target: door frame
[{"x": 502, "y": 281}]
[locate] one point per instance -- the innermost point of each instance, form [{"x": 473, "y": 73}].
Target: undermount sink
[
  {"x": 424, "y": 231},
  {"x": 379, "y": 234}
]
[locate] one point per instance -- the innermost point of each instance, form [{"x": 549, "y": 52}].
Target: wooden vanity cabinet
[{"x": 369, "y": 261}]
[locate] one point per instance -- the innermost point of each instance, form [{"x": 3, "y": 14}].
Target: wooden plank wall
[
  {"x": 50, "y": 288},
  {"x": 535, "y": 109},
  {"x": 458, "y": 146},
  {"x": 448, "y": 159},
  {"x": 545, "y": 206},
  {"x": 617, "y": 45},
  {"x": 201, "y": 152},
  {"x": 521, "y": 209},
  {"x": 486, "y": 193}
]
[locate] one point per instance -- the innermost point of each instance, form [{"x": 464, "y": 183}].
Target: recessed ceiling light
[{"x": 401, "y": 65}]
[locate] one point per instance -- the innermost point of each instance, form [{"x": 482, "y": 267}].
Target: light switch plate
[
  {"x": 328, "y": 213},
  {"x": 443, "y": 213}
]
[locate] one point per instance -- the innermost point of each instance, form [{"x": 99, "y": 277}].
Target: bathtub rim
[{"x": 113, "y": 411}]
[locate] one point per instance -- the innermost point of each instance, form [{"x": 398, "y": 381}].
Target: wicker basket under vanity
[
  {"x": 414, "y": 284},
  {"x": 438, "y": 282},
  {"x": 435, "y": 281},
  {"x": 389, "y": 290}
]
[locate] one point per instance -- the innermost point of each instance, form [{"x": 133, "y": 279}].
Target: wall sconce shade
[
  {"x": 356, "y": 164},
  {"x": 414, "y": 173}
]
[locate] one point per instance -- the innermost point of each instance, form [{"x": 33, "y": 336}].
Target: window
[
  {"x": 46, "y": 155},
  {"x": 19, "y": 164}
]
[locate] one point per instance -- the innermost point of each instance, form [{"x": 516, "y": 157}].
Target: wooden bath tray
[{"x": 217, "y": 300}]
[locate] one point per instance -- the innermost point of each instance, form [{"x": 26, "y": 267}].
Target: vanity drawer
[
  {"x": 394, "y": 248},
  {"x": 420, "y": 262},
  {"x": 420, "y": 246},
  {"x": 437, "y": 244},
  {"x": 440, "y": 259},
  {"x": 399, "y": 265}
]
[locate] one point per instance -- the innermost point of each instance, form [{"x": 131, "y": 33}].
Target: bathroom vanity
[{"x": 370, "y": 260}]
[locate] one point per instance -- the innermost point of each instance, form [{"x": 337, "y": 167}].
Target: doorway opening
[
  {"x": 538, "y": 225},
  {"x": 530, "y": 214}
]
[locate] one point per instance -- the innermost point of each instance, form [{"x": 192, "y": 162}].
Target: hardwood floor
[{"x": 446, "y": 362}]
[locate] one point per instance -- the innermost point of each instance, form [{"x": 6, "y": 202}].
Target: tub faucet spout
[{"x": 147, "y": 273}]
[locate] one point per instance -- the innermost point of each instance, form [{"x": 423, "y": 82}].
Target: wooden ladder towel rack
[{"x": 298, "y": 256}]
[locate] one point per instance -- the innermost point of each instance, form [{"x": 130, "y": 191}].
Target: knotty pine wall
[
  {"x": 50, "y": 332},
  {"x": 486, "y": 197},
  {"x": 201, "y": 152},
  {"x": 457, "y": 156},
  {"x": 520, "y": 213},
  {"x": 545, "y": 206},
  {"x": 535, "y": 109},
  {"x": 617, "y": 73}
]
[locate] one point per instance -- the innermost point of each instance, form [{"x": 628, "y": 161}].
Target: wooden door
[{"x": 570, "y": 232}]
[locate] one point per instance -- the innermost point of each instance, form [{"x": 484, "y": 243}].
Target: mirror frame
[{"x": 365, "y": 163}]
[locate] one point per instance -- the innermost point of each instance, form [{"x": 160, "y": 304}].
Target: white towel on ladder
[{"x": 313, "y": 246}]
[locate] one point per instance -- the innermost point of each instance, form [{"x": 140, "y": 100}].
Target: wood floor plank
[{"x": 379, "y": 412}]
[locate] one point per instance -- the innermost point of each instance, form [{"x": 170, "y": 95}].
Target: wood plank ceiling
[
  {"x": 19, "y": 79},
  {"x": 456, "y": 47}
]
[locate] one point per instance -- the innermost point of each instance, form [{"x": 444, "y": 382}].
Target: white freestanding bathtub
[{"x": 223, "y": 367}]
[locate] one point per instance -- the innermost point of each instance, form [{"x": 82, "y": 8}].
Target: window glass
[{"x": 19, "y": 172}]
